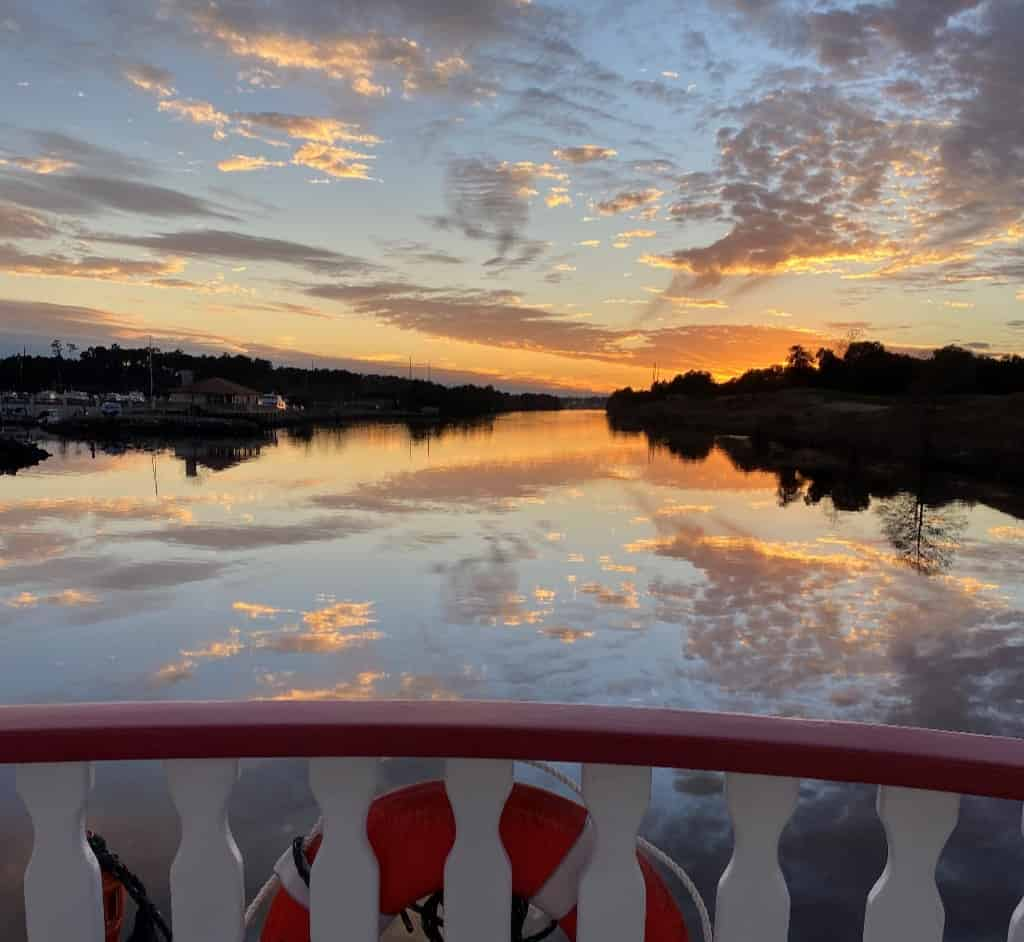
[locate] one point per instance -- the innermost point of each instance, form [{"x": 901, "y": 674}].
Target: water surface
[{"x": 538, "y": 557}]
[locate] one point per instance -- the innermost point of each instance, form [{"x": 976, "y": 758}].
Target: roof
[{"x": 217, "y": 387}]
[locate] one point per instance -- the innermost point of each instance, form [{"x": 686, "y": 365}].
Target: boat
[
  {"x": 920, "y": 775},
  {"x": 54, "y": 407}
]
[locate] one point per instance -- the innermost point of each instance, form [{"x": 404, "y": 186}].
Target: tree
[
  {"x": 853, "y": 335},
  {"x": 799, "y": 365},
  {"x": 799, "y": 359},
  {"x": 924, "y": 536}
]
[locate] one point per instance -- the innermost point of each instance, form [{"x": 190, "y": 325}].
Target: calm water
[{"x": 542, "y": 557}]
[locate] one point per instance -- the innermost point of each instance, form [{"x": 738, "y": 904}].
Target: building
[{"x": 216, "y": 395}]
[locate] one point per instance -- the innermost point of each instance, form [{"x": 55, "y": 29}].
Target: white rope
[
  {"x": 274, "y": 881},
  {"x": 270, "y": 887},
  {"x": 651, "y": 850}
]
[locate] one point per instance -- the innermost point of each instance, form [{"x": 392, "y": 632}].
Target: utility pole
[
  {"x": 410, "y": 369},
  {"x": 151, "y": 396}
]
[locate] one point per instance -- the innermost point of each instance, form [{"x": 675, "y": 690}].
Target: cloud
[
  {"x": 338, "y": 44},
  {"x": 22, "y": 320},
  {"x": 624, "y": 239},
  {"x": 502, "y": 319},
  {"x": 774, "y": 234},
  {"x": 656, "y": 90},
  {"x": 584, "y": 154},
  {"x": 684, "y": 210},
  {"x": 68, "y": 598},
  {"x": 150, "y": 78},
  {"x": 364, "y": 687},
  {"x": 257, "y": 536},
  {"x": 16, "y": 223},
  {"x": 335, "y": 161},
  {"x": 306, "y": 127},
  {"x": 323, "y": 631},
  {"x": 85, "y": 195},
  {"x": 41, "y": 165},
  {"x": 242, "y": 163},
  {"x": 557, "y": 196},
  {"x": 418, "y": 253},
  {"x": 255, "y": 610},
  {"x": 15, "y": 262},
  {"x": 218, "y": 243},
  {"x": 489, "y": 200},
  {"x": 628, "y": 200},
  {"x": 564, "y": 112},
  {"x": 198, "y": 112},
  {"x": 92, "y": 158},
  {"x": 685, "y": 301}
]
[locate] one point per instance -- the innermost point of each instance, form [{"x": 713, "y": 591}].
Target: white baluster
[
  {"x": 63, "y": 895},
  {"x": 753, "y": 900},
  {"x": 477, "y": 874},
  {"x": 613, "y": 901},
  {"x": 344, "y": 885},
  {"x": 207, "y": 887},
  {"x": 1016, "y": 933},
  {"x": 904, "y": 905}
]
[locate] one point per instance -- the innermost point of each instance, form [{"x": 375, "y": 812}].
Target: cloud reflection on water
[{"x": 353, "y": 565}]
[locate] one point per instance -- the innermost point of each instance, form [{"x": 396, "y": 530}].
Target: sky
[{"x": 538, "y": 195}]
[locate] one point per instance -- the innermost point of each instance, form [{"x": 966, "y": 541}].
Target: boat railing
[{"x": 920, "y": 773}]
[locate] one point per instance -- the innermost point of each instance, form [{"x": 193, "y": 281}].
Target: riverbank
[
  {"x": 16, "y": 454},
  {"x": 976, "y": 436},
  {"x": 174, "y": 426}
]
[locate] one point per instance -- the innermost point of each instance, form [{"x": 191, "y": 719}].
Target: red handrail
[{"x": 846, "y": 752}]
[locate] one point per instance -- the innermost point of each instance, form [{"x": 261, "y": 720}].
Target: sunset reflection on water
[
  {"x": 540, "y": 557},
  {"x": 537, "y": 556}
]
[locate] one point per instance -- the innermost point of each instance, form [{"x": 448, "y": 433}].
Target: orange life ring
[
  {"x": 412, "y": 830},
  {"x": 113, "y": 907}
]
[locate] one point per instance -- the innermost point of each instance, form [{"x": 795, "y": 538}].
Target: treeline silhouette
[
  {"x": 862, "y": 368},
  {"x": 115, "y": 369}
]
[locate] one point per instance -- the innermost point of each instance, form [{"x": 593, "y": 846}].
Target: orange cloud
[
  {"x": 254, "y": 610},
  {"x": 364, "y": 687},
  {"x": 150, "y": 79},
  {"x": 198, "y": 112},
  {"x": 626, "y": 201},
  {"x": 353, "y": 58},
  {"x": 558, "y": 196},
  {"x": 340, "y": 615},
  {"x": 41, "y": 165},
  {"x": 334, "y": 161},
  {"x": 306, "y": 127},
  {"x": 69, "y": 598},
  {"x": 244, "y": 163},
  {"x": 584, "y": 154}
]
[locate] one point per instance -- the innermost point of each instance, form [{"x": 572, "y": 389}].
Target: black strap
[
  {"x": 148, "y": 919},
  {"x": 433, "y": 923},
  {"x": 299, "y": 856}
]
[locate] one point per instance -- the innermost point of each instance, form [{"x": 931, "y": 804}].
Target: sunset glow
[{"x": 538, "y": 195}]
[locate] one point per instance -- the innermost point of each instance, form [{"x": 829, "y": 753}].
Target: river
[{"x": 536, "y": 557}]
